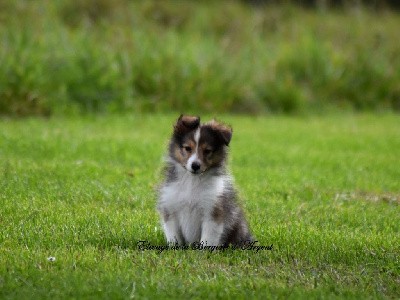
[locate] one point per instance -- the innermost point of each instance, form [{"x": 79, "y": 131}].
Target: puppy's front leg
[
  {"x": 172, "y": 232},
  {"x": 211, "y": 232}
]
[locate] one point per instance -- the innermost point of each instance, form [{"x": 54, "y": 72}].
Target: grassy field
[
  {"x": 68, "y": 57},
  {"x": 324, "y": 191}
]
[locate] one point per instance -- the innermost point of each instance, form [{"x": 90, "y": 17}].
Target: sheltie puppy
[{"x": 197, "y": 200}]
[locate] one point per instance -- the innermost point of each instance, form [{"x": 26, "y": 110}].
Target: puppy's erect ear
[
  {"x": 185, "y": 124},
  {"x": 223, "y": 131},
  {"x": 226, "y": 133}
]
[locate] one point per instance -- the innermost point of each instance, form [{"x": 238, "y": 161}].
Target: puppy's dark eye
[
  {"x": 188, "y": 148},
  {"x": 207, "y": 151}
]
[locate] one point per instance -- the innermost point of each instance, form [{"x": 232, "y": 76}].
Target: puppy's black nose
[{"x": 195, "y": 166}]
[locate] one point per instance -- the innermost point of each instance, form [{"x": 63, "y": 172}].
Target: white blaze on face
[{"x": 194, "y": 157}]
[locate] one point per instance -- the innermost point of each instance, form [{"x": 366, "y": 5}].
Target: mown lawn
[{"x": 324, "y": 191}]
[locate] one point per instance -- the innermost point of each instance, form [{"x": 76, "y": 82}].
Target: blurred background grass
[{"x": 100, "y": 56}]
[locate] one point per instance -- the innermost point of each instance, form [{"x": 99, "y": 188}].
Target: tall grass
[{"x": 101, "y": 56}]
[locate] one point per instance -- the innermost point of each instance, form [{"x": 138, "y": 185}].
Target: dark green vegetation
[
  {"x": 112, "y": 56},
  {"x": 323, "y": 191}
]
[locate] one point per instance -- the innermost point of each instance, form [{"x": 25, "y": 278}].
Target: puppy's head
[{"x": 199, "y": 147}]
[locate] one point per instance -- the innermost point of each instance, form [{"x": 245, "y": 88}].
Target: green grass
[
  {"x": 324, "y": 191},
  {"x": 93, "y": 56}
]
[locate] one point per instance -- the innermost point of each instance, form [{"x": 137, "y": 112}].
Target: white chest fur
[{"x": 189, "y": 202}]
